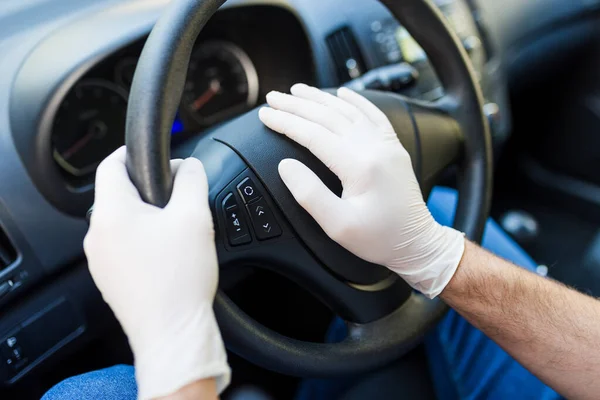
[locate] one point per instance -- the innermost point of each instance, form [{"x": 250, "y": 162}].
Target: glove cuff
[
  {"x": 436, "y": 254},
  {"x": 173, "y": 361},
  {"x": 444, "y": 263}
]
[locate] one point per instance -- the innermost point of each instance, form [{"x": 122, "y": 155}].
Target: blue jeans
[{"x": 465, "y": 364}]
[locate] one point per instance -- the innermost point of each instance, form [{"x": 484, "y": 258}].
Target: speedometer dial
[
  {"x": 221, "y": 82},
  {"x": 89, "y": 125}
]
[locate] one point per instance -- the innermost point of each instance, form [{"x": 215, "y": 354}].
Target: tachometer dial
[
  {"x": 221, "y": 82},
  {"x": 89, "y": 125}
]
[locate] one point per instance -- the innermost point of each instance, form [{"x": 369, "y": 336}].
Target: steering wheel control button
[
  {"x": 248, "y": 190},
  {"x": 264, "y": 223},
  {"x": 229, "y": 202},
  {"x": 236, "y": 226}
]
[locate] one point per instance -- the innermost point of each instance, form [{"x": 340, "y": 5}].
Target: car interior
[{"x": 500, "y": 100}]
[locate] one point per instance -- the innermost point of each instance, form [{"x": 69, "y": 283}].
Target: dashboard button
[
  {"x": 236, "y": 226},
  {"x": 264, "y": 223},
  {"x": 248, "y": 190},
  {"x": 12, "y": 353}
]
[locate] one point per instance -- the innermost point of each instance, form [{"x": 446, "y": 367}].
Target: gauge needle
[
  {"x": 78, "y": 145},
  {"x": 97, "y": 129},
  {"x": 213, "y": 89}
]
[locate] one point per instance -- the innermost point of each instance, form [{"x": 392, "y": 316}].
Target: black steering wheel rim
[{"x": 153, "y": 102}]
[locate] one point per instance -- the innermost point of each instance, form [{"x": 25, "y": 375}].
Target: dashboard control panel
[
  {"x": 391, "y": 44},
  {"x": 22, "y": 348}
]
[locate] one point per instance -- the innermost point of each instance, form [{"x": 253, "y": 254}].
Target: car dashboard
[{"x": 64, "y": 90}]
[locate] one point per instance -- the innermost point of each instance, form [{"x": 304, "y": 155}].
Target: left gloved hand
[{"x": 157, "y": 269}]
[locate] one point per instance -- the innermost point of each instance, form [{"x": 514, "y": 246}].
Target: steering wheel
[{"x": 259, "y": 223}]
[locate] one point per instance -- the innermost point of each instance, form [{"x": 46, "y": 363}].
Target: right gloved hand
[{"x": 381, "y": 217}]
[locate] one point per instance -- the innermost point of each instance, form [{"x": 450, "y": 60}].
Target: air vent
[
  {"x": 346, "y": 55},
  {"x": 8, "y": 253}
]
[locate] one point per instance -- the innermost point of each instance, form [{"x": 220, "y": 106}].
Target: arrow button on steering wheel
[{"x": 264, "y": 223}]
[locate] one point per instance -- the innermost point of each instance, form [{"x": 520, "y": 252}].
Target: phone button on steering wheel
[{"x": 248, "y": 190}]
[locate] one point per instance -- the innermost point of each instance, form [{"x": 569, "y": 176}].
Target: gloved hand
[
  {"x": 381, "y": 216},
  {"x": 158, "y": 271}
]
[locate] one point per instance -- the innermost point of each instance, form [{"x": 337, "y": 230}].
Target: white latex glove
[
  {"x": 381, "y": 216},
  {"x": 158, "y": 271}
]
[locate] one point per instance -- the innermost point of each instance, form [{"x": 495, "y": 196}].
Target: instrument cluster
[{"x": 90, "y": 123}]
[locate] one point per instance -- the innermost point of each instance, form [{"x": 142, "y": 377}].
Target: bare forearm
[
  {"x": 205, "y": 389},
  {"x": 550, "y": 329}
]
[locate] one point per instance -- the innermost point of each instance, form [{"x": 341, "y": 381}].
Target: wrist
[
  {"x": 205, "y": 389},
  {"x": 465, "y": 276},
  {"x": 180, "y": 355}
]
